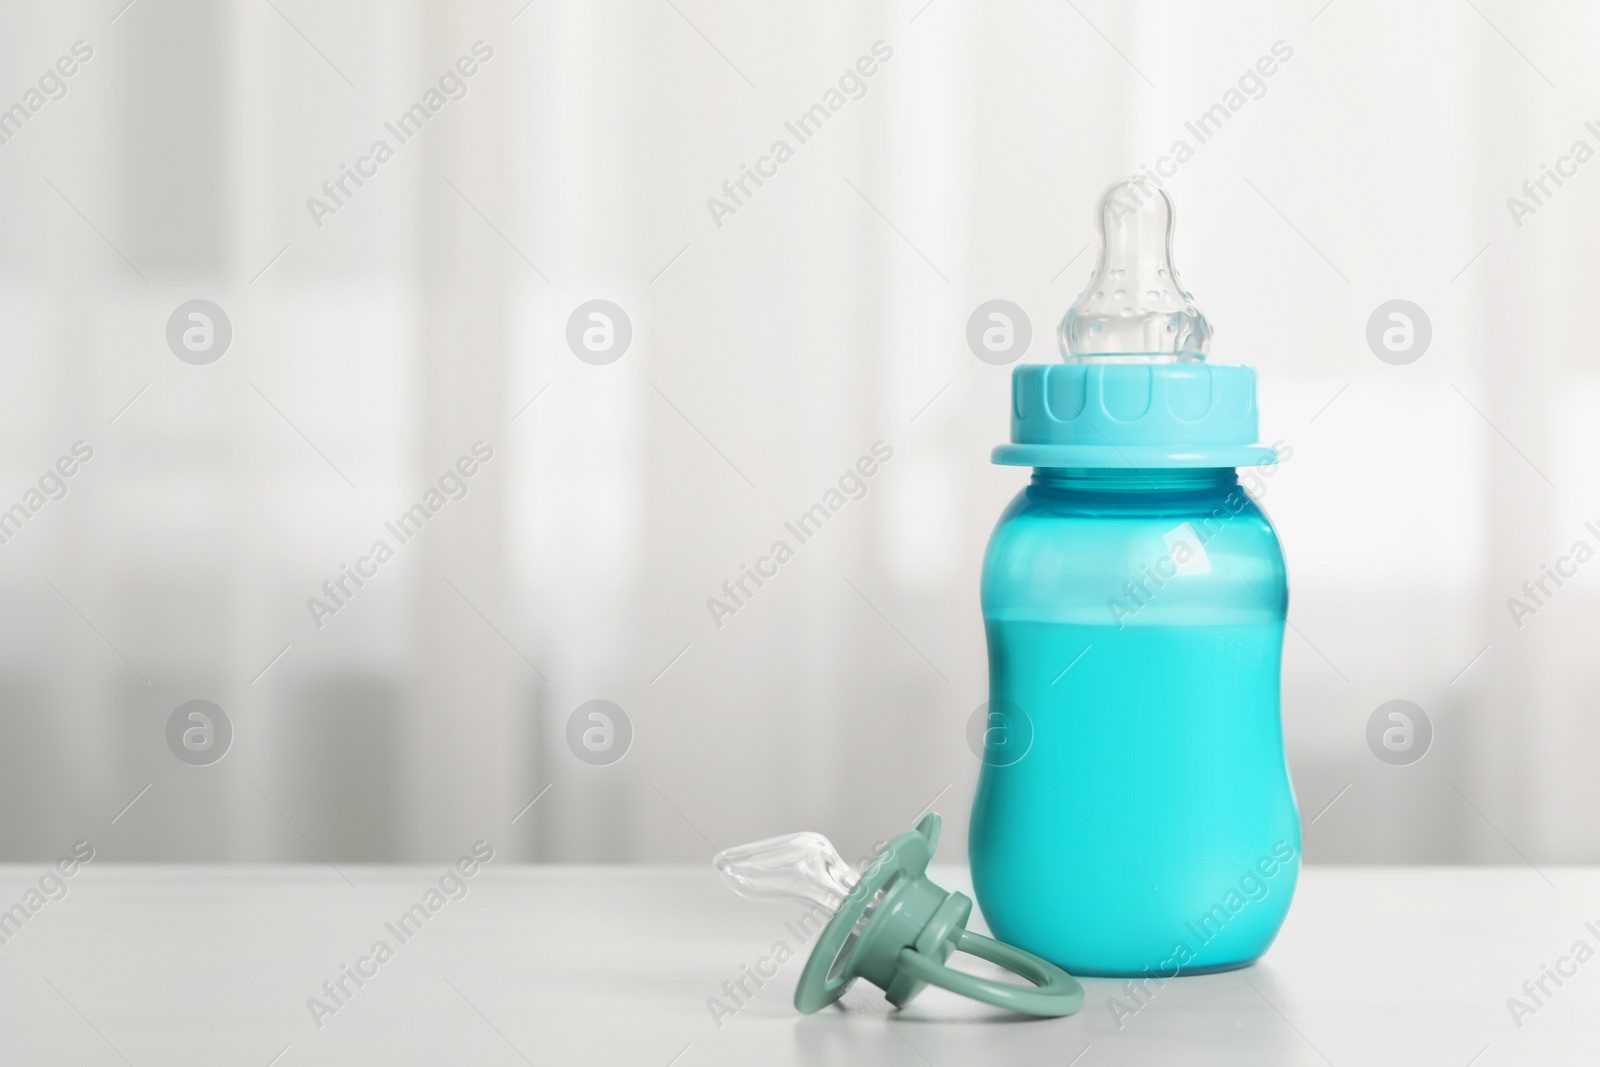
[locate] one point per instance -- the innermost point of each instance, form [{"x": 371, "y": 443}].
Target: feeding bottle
[{"x": 1133, "y": 813}]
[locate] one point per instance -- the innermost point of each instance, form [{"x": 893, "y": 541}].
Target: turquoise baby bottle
[{"x": 1133, "y": 814}]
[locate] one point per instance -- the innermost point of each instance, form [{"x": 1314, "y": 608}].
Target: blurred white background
[{"x": 768, "y": 352}]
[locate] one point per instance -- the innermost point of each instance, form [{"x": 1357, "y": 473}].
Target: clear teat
[
  {"x": 804, "y": 868},
  {"x": 1134, "y": 309}
]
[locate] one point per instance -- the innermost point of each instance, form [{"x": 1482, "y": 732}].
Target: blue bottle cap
[{"x": 1133, "y": 415}]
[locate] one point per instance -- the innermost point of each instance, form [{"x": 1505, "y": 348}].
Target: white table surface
[{"x": 172, "y": 965}]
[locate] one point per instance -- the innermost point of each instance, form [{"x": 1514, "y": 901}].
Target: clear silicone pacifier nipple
[
  {"x": 1134, "y": 310},
  {"x": 804, "y": 868},
  {"x": 889, "y": 925}
]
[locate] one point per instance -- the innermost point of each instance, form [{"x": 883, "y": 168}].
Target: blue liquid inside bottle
[{"x": 1134, "y": 809}]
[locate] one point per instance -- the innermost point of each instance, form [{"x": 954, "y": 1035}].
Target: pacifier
[{"x": 891, "y": 925}]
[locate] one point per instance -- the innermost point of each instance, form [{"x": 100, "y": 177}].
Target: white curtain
[{"x": 779, "y": 332}]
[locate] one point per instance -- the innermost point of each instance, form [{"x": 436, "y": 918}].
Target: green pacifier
[{"x": 891, "y": 926}]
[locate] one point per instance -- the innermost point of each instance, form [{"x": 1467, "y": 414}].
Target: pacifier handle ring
[{"x": 1054, "y": 991}]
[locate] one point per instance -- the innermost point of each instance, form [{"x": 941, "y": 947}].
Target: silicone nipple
[
  {"x": 1134, "y": 310},
  {"x": 804, "y": 868}
]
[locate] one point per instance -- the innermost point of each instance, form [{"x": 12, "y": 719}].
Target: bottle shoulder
[
  {"x": 1046, "y": 511},
  {"x": 1058, "y": 555}
]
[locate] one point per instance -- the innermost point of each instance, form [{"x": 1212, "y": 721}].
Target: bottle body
[{"x": 1134, "y": 813}]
